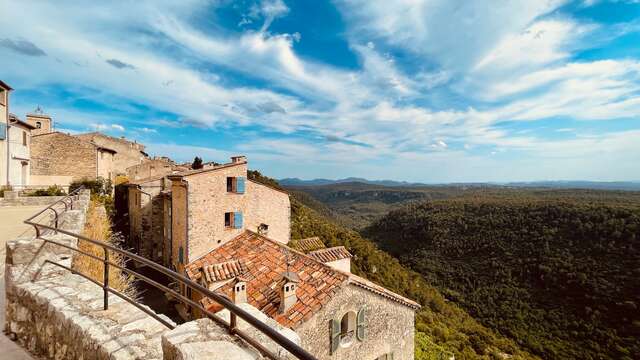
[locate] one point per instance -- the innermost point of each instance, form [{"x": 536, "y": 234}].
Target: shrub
[
  {"x": 98, "y": 187},
  {"x": 53, "y": 190}
]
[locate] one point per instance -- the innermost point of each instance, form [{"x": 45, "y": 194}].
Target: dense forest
[
  {"x": 442, "y": 328},
  {"x": 559, "y": 272}
]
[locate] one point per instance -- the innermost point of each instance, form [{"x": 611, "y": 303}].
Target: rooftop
[
  {"x": 330, "y": 254},
  {"x": 307, "y": 244},
  {"x": 14, "y": 119},
  {"x": 266, "y": 262}
]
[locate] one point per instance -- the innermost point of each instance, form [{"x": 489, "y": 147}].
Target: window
[
  {"x": 347, "y": 328},
  {"x": 2, "y": 97},
  {"x": 24, "y": 138},
  {"x": 235, "y": 184},
  {"x": 263, "y": 229},
  {"x": 233, "y": 220},
  {"x": 38, "y": 125}
]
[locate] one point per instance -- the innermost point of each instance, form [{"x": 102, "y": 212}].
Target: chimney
[
  {"x": 42, "y": 122},
  {"x": 238, "y": 159},
  {"x": 288, "y": 296},
  {"x": 239, "y": 295}
]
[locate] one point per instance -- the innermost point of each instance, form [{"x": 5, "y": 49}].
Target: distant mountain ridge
[{"x": 558, "y": 184}]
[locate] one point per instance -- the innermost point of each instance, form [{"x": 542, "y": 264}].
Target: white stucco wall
[{"x": 19, "y": 156}]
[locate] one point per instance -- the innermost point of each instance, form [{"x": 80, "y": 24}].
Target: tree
[{"x": 197, "y": 163}]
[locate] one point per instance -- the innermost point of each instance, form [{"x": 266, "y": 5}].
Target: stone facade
[
  {"x": 389, "y": 327},
  {"x": 152, "y": 168},
  {"x": 19, "y": 136},
  {"x": 146, "y": 217},
  {"x": 57, "y": 156},
  {"x": 42, "y": 123},
  {"x": 208, "y": 201},
  {"x": 127, "y": 153}
]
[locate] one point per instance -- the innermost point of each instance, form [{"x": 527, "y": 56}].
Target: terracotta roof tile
[
  {"x": 330, "y": 254},
  {"x": 308, "y": 244},
  {"x": 265, "y": 262}
]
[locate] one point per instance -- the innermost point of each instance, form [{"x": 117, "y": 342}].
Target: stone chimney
[
  {"x": 288, "y": 287},
  {"x": 41, "y": 121},
  {"x": 238, "y": 159},
  {"x": 239, "y": 295}
]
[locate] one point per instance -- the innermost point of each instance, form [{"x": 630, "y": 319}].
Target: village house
[
  {"x": 59, "y": 158},
  {"x": 127, "y": 153},
  {"x": 336, "y": 314},
  {"x": 19, "y": 164},
  {"x": 4, "y": 125}
]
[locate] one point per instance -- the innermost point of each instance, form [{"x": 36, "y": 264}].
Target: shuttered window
[
  {"x": 236, "y": 185},
  {"x": 237, "y": 220},
  {"x": 361, "y": 325},
  {"x": 335, "y": 335},
  {"x": 3, "y": 131}
]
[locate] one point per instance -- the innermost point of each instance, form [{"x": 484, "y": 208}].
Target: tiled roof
[
  {"x": 223, "y": 271},
  {"x": 308, "y": 244},
  {"x": 266, "y": 262},
  {"x": 330, "y": 254}
]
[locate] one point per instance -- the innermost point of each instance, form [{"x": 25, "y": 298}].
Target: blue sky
[{"x": 417, "y": 90}]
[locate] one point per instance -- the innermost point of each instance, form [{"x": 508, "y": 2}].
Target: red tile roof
[
  {"x": 330, "y": 254},
  {"x": 265, "y": 261},
  {"x": 223, "y": 271},
  {"x": 308, "y": 244}
]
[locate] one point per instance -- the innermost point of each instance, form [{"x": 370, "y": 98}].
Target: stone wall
[
  {"x": 148, "y": 169},
  {"x": 128, "y": 153},
  {"x": 209, "y": 201},
  {"x": 146, "y": 218},
  {"x": 61, "y": 154},
  {"x": 390, "y": 327},
  {"x": 12, "y": 198}
]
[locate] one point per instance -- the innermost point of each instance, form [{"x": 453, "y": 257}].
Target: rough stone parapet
[{"x": 12, "y": 198}]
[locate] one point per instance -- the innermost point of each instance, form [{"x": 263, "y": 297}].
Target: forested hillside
[{"x": 560, "y": 274}]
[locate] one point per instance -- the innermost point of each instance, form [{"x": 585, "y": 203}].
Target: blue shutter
[
  {"x": 240, "y": 185},
  {"x": 3, "y": 131},
  {"x": 237, "y": 220}
]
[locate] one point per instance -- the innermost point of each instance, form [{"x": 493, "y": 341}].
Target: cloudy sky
[{"x": 418, "y": 90}]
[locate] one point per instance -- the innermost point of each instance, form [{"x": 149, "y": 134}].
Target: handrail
[{"x": 234, "y": 310}]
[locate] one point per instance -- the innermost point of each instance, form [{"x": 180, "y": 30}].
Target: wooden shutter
[
  {"x": 335, "y": 335},
  {"x": 361, "y": 326},
  {"x": 240, "y": 185},
  {"x": 3, "y": 131},
  {"x": 237, "y": 220},
  {"x": 181, "y": 255}
]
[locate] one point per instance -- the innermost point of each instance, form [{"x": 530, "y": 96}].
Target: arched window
[{"x": 347, "y": 328}]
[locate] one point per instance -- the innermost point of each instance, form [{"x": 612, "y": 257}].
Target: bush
[
  {"x": 53, "y": 190},
  {"x": 98, "y": 187}
]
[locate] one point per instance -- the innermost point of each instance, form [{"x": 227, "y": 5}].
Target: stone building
[
  {"x": 19, "y": 141},
  {"x": 59, "y": 158},
  {"x": 127, "y": 153},
  {"x": 213, "y": 205},
  {"x": 41, "y": 122},
  {"x": 4, "y": 124},
  {"x": 336, "y": 314},
  {"x": 146, "y": 216},
  {"x": 153, "y": 167}
]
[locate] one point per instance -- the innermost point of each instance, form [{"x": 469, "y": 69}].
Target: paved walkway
[{"x": 12, "y": 226}]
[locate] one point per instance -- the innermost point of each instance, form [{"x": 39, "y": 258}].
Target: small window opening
[
  {"x": 228, "y": 219},
  {"x": 24, "y": 138},
  {"x": 347, "y": 328},
  {"x": 231, "y": 184},
  {"x": 38, "y": 125}
]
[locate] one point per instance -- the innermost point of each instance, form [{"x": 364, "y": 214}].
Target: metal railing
[{"x": 234, "y": 310}]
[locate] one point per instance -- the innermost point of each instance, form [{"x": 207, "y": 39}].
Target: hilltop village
[{"x": 222, "y": 229}]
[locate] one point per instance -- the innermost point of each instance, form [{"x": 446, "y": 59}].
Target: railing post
[
  {"x": 56, "y": 219},
  {"x": 105, "y": 282},
  {"x": 233, "y": 322}
]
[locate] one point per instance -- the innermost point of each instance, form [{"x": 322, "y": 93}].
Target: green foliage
[
  {"x": 560, "y": 275},
  {"x": 98, "y": 187},
  {"x": 197, "y": 163},
  {"x": 53, "y": 190},
  {"x": 255, "y": 175},
  {"x": 451, "y": 328}
]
